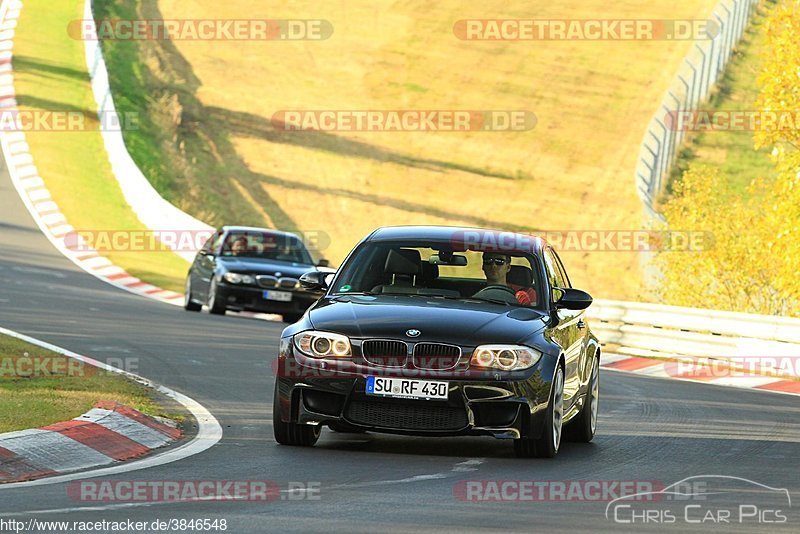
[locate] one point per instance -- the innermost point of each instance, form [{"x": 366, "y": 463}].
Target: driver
[
  {"x": 496, "y": 267},
  {"x": 239, "y": 247}
]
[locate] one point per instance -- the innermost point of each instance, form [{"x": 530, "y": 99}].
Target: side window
[
  {"x": 552, "y": 271},
  {"x": 209, "y": 244},
  {"x": 562, "y": 272}
]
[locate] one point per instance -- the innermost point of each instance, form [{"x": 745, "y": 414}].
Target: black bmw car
[
  {"x": 441, "y": 331},
  {"x": 254, "y": 269}
]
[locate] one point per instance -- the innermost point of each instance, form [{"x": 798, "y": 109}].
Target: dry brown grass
[{"x": 573, "y": 171}]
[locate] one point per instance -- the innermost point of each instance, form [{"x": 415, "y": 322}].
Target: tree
[{"x": 754, "y": 263}]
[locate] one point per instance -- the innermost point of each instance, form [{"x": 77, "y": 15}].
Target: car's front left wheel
[
  {"x": 292, "y": 433},
  {"x": 584, "y": 426},
  {"x": 546, "y": 446}
]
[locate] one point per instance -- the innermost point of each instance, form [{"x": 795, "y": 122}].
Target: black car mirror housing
[
  {"x": 571, "y": 298},
  {"x": 314, "y": 280}
]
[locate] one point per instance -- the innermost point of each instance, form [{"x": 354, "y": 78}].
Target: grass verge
[
  {"x": 50, "y": 74},
  {"x": 733, "y": 152},
  {"x": 39, "y": 387}
]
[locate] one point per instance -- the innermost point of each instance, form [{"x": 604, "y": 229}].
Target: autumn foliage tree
[{"x": 754, "y": 263}]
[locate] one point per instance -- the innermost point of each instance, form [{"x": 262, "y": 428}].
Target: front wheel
[
  {"x": 584, "y": 426},
  {"x": 188, "y": 303},
  {"x": 215, "y": 304},
  {"x": 292, "y": 433},
  {"x": 547, "y": 445}
]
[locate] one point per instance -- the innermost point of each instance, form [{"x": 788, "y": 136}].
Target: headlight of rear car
[
  {"x": 236, "y": 278},
  {"x": 505, "y": 357},
  {"x": 322, "y": 344}
]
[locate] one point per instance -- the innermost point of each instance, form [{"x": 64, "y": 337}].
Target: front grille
[
  {"x": 385, "y": 352},
  {"x": 400, "y": 416},
  {"x": 267, "y": 281},
  {"x": 288, "y": 283},
  {"x": 436, "y": 356}
]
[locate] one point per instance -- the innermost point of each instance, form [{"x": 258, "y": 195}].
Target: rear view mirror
[
  {"x": 314, "y": 280},
  {"x": 571, "y": 298},
  {"x": 448, "y": 259}
]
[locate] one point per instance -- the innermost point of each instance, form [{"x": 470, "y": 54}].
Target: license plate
[
  {"x": 405, "y": 388},
  {"x": 283, "y": 296}
]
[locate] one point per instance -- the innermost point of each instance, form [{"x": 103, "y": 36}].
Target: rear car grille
[
  {"x": 406, "y": 416},
  {"x": 436, "y": 356},
  {"x": 387, "y": 353}
]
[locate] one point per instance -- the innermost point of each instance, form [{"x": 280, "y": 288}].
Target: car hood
[
  {"x": 454, "y": 321},
  {"x": 262, "y": 266}
]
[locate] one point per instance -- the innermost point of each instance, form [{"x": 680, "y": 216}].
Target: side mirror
[
  {"x": 323, "y": 263},
  {"x": 571, "y": 298},
  {"x": 314, "y": 280}
]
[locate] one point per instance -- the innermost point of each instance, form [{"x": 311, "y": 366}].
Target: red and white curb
[
  {"x": 694, "y": 371},
  {"x": 106, "y": 434},
  {"x": 83, "y": 436}
]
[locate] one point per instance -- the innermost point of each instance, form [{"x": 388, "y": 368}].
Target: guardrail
[
  {"x": 701, "y": 69},
  {"x": 655, "y": 330}
]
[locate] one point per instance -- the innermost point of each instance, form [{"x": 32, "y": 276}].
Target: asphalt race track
[{"x": 649, "y": 429}]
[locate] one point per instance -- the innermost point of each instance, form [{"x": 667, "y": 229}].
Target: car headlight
[
  {"x": 505, "y": 357},
  {"x": 236, "y": 278},
  {"x": 323, "y": 344}
]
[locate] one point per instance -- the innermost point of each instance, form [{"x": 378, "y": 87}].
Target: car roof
[{"x": 481, "y": 237}]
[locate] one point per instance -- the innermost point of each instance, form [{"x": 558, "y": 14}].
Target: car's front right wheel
[
  {"x": 292, "y": 433},
  {"x": 546, "y": 446}
]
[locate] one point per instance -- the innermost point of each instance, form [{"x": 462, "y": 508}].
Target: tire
[
  {"x": 292, "y": 434},
  {"x": 584, "y": 426},
  {"x": 547, "y": 445},
  {"x": 188, "y": 303},
  {"x": 214, "y": 305}
]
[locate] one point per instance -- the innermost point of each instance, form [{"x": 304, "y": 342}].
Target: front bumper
[
  {"x": 478, "y": 403},
  {"x": 250, "y": 298}
]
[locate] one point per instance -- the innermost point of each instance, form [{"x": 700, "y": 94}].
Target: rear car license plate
[
  {"x": 283, "y": 296},
  {"x": 406, "y": 388}
]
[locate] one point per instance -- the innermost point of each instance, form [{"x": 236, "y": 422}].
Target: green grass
[
  {"x": 66, "y": 390},
  {"x": 733, "y": 152},
  {"x": 50, "y": 74}
]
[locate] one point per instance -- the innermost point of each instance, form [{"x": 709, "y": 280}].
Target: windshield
[
  {"x": 508, "y": 278},
  {"x": 263, "y": 245}
]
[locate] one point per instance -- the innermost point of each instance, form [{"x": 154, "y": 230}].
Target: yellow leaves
[{"x": 755, "y": 263}]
